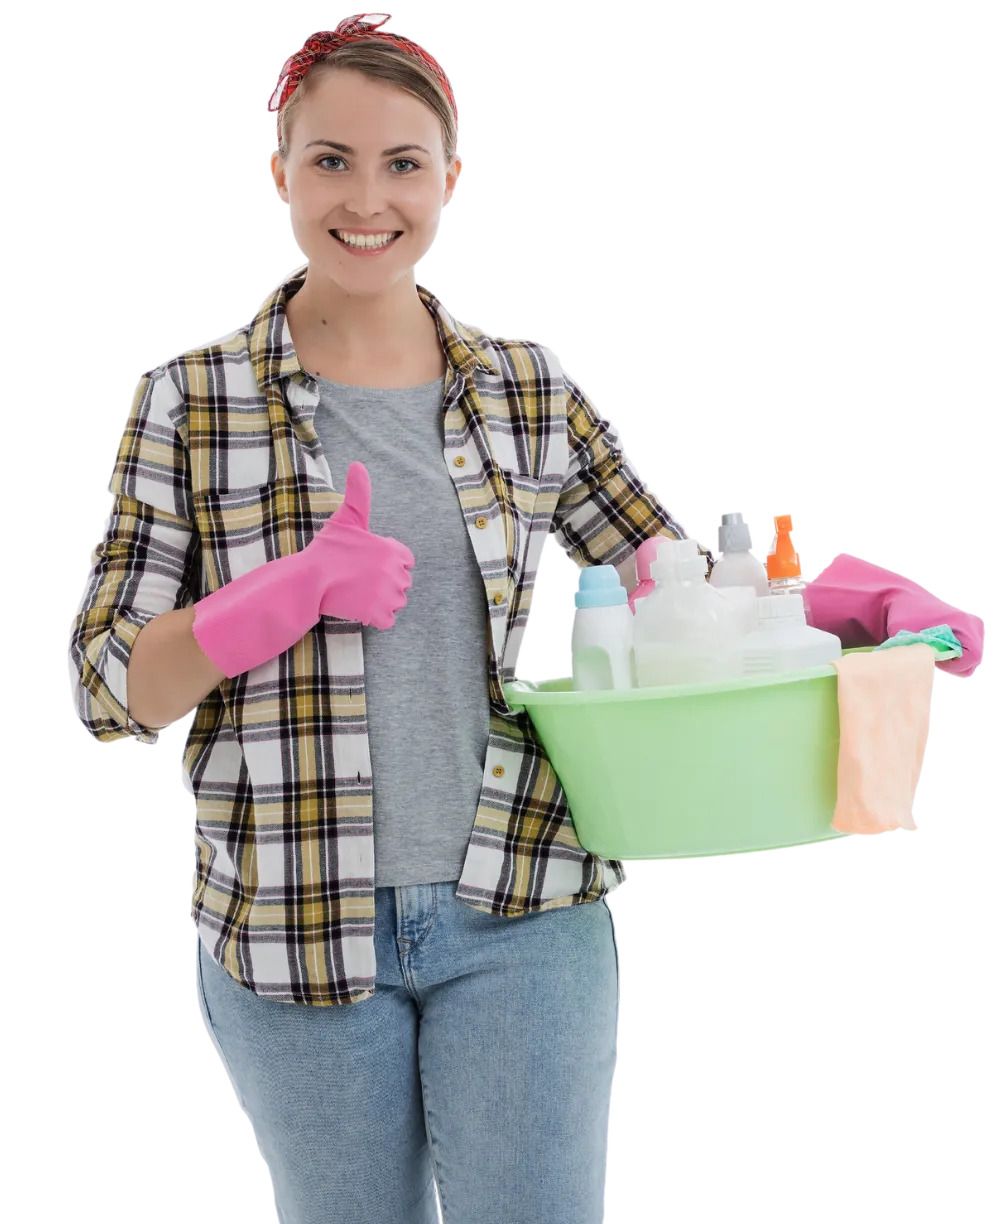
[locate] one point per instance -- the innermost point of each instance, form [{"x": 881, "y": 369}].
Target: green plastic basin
[{"x": 693, "y": 769}]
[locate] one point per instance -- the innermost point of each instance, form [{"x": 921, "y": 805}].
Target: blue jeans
[{"x": 482, "y": 1064}]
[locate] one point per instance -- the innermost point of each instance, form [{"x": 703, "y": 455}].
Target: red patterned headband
[{"x": 351, "y": 29}]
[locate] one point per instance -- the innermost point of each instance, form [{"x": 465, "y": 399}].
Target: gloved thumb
[{"x": 354, "y": 509}]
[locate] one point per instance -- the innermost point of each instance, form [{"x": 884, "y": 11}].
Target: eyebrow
[{"x": 332, "y": 144}]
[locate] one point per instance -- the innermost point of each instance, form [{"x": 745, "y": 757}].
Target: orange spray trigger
[{"x": 783, "y": 560}]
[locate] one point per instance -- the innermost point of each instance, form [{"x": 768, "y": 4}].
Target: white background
[{"x": 764, "y": 240}]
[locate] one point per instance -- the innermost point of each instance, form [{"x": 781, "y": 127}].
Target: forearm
[{"x": 168, "y": 673}]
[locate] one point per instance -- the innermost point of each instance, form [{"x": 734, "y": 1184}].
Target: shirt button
[
  {"x": 459, "y": 461},
  {"x": 481, "y": 520},
  {"x": 498, "y": 771},
  {"x": 498, "y": 597}
]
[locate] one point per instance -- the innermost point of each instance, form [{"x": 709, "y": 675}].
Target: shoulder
[
  {"x": 227, "y": 356},
  {"x": 173, "y": 397},
  {"x": 521, "y": 360}
]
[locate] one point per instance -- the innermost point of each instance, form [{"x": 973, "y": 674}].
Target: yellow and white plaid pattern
[{"x": 219, "y": 470}]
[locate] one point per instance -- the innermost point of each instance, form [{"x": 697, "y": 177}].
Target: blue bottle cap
[{"x": 600, "y": 587}]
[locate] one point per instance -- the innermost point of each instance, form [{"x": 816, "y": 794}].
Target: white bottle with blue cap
[{"x": 602, "y": 631}]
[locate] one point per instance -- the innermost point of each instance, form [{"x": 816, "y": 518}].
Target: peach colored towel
[{"x": 884, "y": 698}]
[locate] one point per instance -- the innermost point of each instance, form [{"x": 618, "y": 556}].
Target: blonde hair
[{"x": 383, "y": 63}]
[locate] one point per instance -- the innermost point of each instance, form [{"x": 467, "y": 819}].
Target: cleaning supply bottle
[
  {"x": 737, "y": 566},
  {"x": 783, "y": 641},
  {"x": 602, "y": 631},
  {"x": 738, "y": 573},
  {"x": 783, "y": 571},
  {"x": 685, "y": 632}
]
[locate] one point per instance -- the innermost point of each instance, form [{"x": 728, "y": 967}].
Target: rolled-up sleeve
[
  {"x": 146, "y": 563},
  {"x": 605, "y": 511}
]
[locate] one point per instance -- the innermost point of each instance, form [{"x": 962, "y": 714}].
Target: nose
[{"x": 366, "y": 197}]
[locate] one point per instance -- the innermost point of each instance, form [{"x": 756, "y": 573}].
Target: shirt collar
[{"x": 273, "y": 353}]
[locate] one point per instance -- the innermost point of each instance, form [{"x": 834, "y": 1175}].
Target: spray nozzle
[{"x": 783, "y": 560}]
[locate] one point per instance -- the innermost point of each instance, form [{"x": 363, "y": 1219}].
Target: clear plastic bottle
[{"x": 783, "y": 570}]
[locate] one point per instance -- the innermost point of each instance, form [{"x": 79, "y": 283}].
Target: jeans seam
[
  {"x": 618, "y": 975},
  {"x": 431, "y": 1143},
  {"x": 426, "y": 928}
]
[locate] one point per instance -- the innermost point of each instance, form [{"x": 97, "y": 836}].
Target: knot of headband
[{"x": 351, "y": 29}]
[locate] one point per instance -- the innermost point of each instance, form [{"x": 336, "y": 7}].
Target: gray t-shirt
[{"x": 426, "y": 679}]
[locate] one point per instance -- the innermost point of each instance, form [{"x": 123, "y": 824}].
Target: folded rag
[
  {"x": 864, "y": 604},
  {"x": 884, "y": 699}
]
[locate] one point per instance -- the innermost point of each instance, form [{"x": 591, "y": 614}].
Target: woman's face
[{"x": 329, "y": 188}]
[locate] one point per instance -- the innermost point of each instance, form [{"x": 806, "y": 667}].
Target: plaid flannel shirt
[{"x": 219, "y": 470}]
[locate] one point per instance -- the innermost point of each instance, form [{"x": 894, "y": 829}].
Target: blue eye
[{"x": 395, "y": 161}]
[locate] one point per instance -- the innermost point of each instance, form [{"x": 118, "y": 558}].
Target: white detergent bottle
[
  {"x": 784, "y": 641},
  {"x": 685, "y": 631},
  {"x": 737, "y": 566},
  {"x": 738, "y": 574},
  {"x": 602, "y": 631}
]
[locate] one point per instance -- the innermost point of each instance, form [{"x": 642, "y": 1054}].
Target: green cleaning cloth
[{"x": 940, "y": 637}]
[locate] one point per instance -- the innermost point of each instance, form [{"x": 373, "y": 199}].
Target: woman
[{"x": 386, "y": 1026}]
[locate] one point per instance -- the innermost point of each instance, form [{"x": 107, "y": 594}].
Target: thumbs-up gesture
[
  {"x": 364, "y": 576},
  {"x": 345, "y": 570}
]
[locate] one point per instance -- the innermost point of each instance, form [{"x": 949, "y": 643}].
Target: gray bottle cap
[{"x": 734, "y": 534}]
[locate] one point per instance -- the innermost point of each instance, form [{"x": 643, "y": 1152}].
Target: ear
[
  {"x": 451, "y": 178},
  {"x": 278, "y": 173}
]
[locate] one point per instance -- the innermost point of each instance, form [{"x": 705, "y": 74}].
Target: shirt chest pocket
[
  {"x": 242, "y": 529},
  {"x": 237, "y": 529},
  {"x": 520, "y": 500}
]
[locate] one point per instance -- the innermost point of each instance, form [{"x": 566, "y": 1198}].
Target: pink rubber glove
[
  {"x": 865, "y": 605},
  {"x": 345, "y": 570}
]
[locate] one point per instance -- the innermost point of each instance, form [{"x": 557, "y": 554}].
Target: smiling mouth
[{"x": 364, "y": 246}]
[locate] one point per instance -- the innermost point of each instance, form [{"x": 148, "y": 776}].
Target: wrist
[{"x": 258, "y": 615}]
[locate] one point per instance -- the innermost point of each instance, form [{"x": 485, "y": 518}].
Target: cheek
[
  {"x": 425, "y": 196},
  {"x": 426, "y": 215},
  {"x": 309, "y": 196}
]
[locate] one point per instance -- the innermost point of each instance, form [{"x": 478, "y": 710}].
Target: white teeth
[{"x": 365, "y": 240}]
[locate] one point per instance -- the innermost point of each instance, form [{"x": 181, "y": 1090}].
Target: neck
[{"x": 358, "y": 325}]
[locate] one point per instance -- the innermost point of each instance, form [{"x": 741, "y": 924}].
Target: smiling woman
[{"x": 273, "y": 488}]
